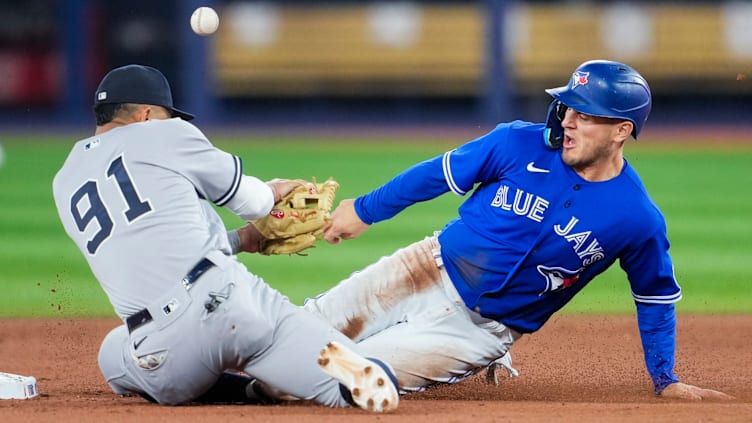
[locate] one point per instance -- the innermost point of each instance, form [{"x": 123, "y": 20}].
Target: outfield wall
[
  {"x": 355, "y": 61},
  {"x": 408, "y": 49}
]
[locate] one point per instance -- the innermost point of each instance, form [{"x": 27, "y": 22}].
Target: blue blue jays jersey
[{"x": 533, "y": 233}]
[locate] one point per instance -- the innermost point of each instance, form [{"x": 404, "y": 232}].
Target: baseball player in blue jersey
[
  {"x": 136, "y": 198},
  {"x": 551, "y": 206}
]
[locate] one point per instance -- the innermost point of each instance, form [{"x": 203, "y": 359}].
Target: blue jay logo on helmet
[
  {"x": 579, "y": 78},
  {"x": 603, "y": 88}
]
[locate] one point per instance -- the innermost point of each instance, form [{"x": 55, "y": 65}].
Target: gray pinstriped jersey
[{"x": 134, "y": 200}]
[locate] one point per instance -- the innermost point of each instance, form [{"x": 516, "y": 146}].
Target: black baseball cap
[{"x": 137, "y": 84}]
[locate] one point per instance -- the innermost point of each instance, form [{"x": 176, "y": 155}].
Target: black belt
[{"x": 143, "y": 317}]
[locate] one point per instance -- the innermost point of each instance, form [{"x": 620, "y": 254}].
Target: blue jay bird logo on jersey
[
  {"x": 558, "y": 278},
  {"x": 579, "y": 78}
]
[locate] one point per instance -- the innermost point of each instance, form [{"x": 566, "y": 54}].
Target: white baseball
[{"x": 204, "y": 21}]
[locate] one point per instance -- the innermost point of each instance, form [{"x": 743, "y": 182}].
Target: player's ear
[
  {"x": 139, "y": 113},
  {"x": 624, "y": 130}
]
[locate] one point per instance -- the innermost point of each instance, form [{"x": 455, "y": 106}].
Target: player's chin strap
[
  {"x": 553, "y": 136},
  {"x": 506, "y": 362}
]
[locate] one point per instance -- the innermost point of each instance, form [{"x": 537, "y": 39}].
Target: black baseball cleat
[{"x": 237, "y": 388}]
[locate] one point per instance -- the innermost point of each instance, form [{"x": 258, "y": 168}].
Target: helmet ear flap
[{"x": 554, "y": 133}]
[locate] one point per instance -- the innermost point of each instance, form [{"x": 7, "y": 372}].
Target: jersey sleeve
[
  {"x": 655, "y": 290},
  {"x": 651, "y": 272},
  {"x": 456, "y": 170},
  {"x": 420, "y": 182},
  {"x": 214, "y": 173},
  {"x": 481, "y": 160}
]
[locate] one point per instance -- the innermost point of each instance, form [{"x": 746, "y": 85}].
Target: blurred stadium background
[{"x": 349, "y": 62}]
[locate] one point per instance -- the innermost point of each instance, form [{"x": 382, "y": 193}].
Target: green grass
[{"x": 706, "y": 196}]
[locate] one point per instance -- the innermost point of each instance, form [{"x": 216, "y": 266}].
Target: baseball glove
[{"x": 297, "y": 220}]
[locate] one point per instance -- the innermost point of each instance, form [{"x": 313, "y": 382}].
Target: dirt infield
[{"x": 577, "y": 369}]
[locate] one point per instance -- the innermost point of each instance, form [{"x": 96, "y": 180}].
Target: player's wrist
[
  {"x": 660, "y": 382},
  {"x": 251, "y": 240},
  {"x": 275, "y": 194},
  {"x": 234, "y": 239},
  {"x": 360, "y": 211}
]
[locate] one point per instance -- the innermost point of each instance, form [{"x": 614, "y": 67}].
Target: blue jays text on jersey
[{"x": 533, "y": 233}]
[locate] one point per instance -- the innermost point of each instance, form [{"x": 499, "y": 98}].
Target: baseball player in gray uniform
[{"x": 136, "y": 198}]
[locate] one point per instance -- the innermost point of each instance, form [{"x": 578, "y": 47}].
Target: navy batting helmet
[{"x": 600, "y": 88}]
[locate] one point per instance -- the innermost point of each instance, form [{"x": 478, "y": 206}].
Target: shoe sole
[{"x": 369, "y": 384}]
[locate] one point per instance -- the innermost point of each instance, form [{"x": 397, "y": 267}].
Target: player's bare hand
[
  {"x": 689, "y": 392},
  {"x": 282, "y": 187},
  {"x": 345, "y": 223}
]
